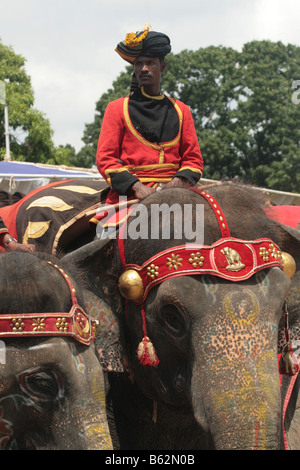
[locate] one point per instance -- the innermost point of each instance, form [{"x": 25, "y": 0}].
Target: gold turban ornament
[{"x": 146, "y": 42}]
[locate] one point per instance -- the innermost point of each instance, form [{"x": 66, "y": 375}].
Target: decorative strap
[
  {"x": 229, "y": 258},
  {"x": 225, "y": 232},
  {"x": 76, "y": 323}
]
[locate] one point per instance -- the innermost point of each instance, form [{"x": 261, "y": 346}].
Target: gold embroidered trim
[
  {"x": 156, "y": 166},
  {"x": 113, "y": 170},
  {"x": 132, "y": 169},
  {"x": 196, "y": 170},
  {"x": 155, "y": 180},
  {"x": 158, "y": 97}
]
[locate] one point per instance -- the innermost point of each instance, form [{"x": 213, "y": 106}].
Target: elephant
[
  {"x": 212, "y": 379},
  {"x": 190, "y": 355},
  {"x": 51, "y": 383}
]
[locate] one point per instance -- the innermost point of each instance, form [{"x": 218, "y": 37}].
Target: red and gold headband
[
  {"x": 229, "y": 258},
  {"x": 75, "y": 324}
]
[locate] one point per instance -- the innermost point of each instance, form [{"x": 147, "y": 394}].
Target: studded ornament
[{"x": 75, "y": 323}]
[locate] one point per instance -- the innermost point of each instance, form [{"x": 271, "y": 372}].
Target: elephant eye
[
  {"x": 41, "y": 384},
  {"x": 173, "y": 320}
]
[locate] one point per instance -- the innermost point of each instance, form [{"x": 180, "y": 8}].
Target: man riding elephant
[{"x": 147, "y": 139}]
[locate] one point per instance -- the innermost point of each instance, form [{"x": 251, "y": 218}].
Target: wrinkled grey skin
[
  {"x": 51, "y": 389},
  {"x": 217, "y": 383}
]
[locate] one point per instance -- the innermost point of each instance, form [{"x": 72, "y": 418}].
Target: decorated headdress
[
  {"x": 229, "y": 258},
  {"x": 146, "y": 42}
]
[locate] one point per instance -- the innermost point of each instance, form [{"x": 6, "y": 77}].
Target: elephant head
[
  {"x": 51, "y": 383},
  {"x": 212, "y": 339}
]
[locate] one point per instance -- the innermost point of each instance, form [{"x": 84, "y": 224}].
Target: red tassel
[
  {"x": 146, "y": 353},
  {"x": 288, "y": 364}
]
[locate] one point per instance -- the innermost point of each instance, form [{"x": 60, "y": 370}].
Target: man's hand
[
  {"x": 15, "y": 246},
  {"x": 141, "y": 191},
  {"x": 177, "y": 183}
]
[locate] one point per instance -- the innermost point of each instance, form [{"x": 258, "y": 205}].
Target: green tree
[
  {"x": 30, "y": 131},
  {"x": 267, "y": 119},
  {"x": 246, "y": 122},
  {"x": 207, "y": 80}
]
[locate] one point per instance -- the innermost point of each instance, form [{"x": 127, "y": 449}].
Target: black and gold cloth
[
  {"x": 144, "y": 43},
  {"x": 54, "y": 216}
]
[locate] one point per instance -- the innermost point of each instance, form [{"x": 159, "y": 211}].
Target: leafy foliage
[
  {"x": 30, "y": 131},
  {"x": 246, "y": 122}
]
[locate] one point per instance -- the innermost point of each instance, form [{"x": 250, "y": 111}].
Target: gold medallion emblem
[{"x": 233, "y": 259}]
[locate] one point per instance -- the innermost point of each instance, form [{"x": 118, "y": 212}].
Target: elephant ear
[
  {"x": 111, "y": 354},
  {"x": 97, "y": 267},
  {"x": 291, "y": 239},
  {"x": 288, "y": 239},
  {"x": 294, "y": 232}
]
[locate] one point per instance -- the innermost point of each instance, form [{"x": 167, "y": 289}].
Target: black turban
[{"x": 146, "y": 43}]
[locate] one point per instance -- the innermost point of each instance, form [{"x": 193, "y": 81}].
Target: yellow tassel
[
  {"x": 288, "y": 364},
  {"x": 146, "y": 353}
]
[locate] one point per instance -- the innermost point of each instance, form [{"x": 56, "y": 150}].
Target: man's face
[{"x": 148, "y": 72}]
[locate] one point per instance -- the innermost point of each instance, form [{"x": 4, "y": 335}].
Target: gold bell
[
  {"x": 131, "y": 285},
  {"x": 289, "y": 264}
]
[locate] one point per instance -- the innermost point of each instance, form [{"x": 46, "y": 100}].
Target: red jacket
[{"x": 124, "y": 156}]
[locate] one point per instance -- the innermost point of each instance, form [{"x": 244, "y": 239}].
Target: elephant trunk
[
  {"x": 89, "y": 415},
  {"x": 236, "y": 397},
  {"x": 91, "y": 428},
  {"x": 84, "y": 424}
]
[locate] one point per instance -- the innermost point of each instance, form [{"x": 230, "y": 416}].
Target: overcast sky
[{"x": 69, "y": 44}]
